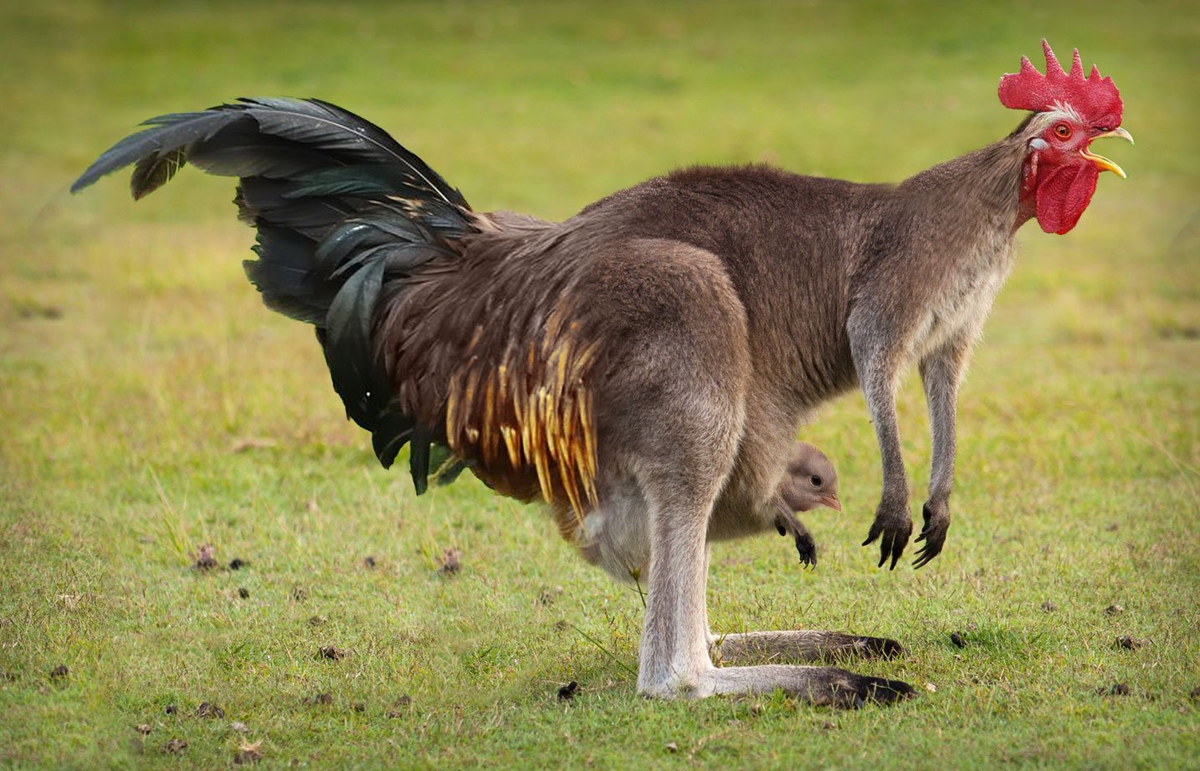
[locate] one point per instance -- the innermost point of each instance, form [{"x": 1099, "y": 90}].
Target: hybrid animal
[{"x": 644, "y": 365}]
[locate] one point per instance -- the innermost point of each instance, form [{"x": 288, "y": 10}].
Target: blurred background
[{"x": 149, "y": 403}]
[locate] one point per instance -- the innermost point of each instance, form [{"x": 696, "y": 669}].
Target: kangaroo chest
[{"x": 965, "y": 295}]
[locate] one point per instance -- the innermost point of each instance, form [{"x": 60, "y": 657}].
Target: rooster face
[
  {"x": 1061, "y": 170},
  {"x": 1066, "y": 140}
]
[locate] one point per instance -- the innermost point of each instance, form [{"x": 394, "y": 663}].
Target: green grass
[{"x": 135, "y": 359}]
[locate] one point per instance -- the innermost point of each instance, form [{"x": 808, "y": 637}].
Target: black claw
[
  {"x": 862, "y": 690},
  {"x": 882, "y": 647},
  {"x": 876, "y": 690},
  {"x": 925, "y": 556},
  {"x": 883, "y": 691}
]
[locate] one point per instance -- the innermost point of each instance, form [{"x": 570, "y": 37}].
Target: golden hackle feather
[
  {"x": 510, "y": 443},
  {"x": 540, "y": 413},
  {"x": 491, "y": 433}
]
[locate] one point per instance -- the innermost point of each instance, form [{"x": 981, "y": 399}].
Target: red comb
[{"x": 1096, "y": 99}]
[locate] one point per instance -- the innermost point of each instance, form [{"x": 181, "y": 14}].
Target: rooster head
[{"x": 1070, "y": 111}]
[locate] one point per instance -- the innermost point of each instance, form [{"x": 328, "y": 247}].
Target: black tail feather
[
  {"x": 418, "y": 459},
  {"x": 340, "y": 207},
  {"x": 390, "y": 434},
  {"x": 283, "y": 276},
  {"x": 168, "y": 134},
  {"x": 242, "y": 150}
]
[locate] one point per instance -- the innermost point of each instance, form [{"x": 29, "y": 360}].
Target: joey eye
[
  {"x": 1062, "y": 131},
  {"x": 816, "y": 480}
]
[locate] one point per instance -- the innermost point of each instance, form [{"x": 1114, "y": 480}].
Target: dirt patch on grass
[
  {"x": 205, "y": 558},
  {"x": 331, "y": 652},
  {"x": 248, "y": 753},
  {"x": 1129, "y": 643},
  {"x": 403, "y": 706},
  {"x": 451, "y": 563}
]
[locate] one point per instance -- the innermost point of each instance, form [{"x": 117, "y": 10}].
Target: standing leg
[
  {"x": 674, "y": 651},
  {"x": 674, "y": 659}
]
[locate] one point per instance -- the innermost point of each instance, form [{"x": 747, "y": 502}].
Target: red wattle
[{"x": 1062, "y": 195}]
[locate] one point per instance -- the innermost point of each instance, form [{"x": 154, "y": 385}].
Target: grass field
[{"x": 149, "y": 405}]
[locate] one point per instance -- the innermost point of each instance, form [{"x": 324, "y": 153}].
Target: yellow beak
[{"x": 1104, "y": 163}]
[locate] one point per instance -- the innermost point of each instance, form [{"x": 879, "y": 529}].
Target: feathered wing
[{"x": 341, "y": 210}]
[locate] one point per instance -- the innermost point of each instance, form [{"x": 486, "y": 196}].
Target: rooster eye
[
  {"x": 816, "y": 480},
  {"x": 1062, "y": 131}
]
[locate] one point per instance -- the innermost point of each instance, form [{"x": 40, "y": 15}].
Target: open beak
[
  {"x": 1104, "y": 163},
  {"x": 831, "y": 501}
]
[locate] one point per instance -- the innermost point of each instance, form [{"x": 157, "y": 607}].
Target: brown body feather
[{"x": 495, "y": 347}]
